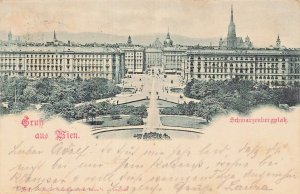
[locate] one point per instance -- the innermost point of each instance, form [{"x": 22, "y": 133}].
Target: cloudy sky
[{"x": 262, "y": 20}]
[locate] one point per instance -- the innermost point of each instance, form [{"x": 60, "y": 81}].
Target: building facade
[
  {"x": 173, "y": 58},
  {"x": 154, "y": 55},
  {"x": 67, "y": 62},
  {"x": 153, "y": 58},
  {"x": 274, "y": 67},
  {"x": 234, "y": 58},
  {"x": 134, "y": 59},
  {"x": 232, "y": 41}
]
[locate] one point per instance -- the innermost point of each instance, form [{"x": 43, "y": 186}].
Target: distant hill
[{"x": 90, "y": 37}]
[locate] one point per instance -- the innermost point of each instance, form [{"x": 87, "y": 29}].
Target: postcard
[{"x": 150, "y": 97}]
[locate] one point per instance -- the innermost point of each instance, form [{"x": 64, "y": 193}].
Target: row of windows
[
  {"x": 238, "y": 65},
  {"x": 295, "y": 65},
  {"x": 223, "y": 58},
  {"x": 5, "y": 59},
  {"x": 60, "y": 68},
  {"x": 61, "y": 74},
  {"x": 241, "y": 76},
  {"x": 260, "y": 64},
  {"x": 210, "y": 69},
  {"x": 131, "y": 57},
  {"x": 53, "y": 61},
  {"x": 236, "y": 71},
  {"x": 244, "y": 58},
  {"x": 78, "y": 60},
  {"x": 134, "y": 65},
  {"x": 43, "y": 68},
  {"x": 154, "y": 57},
  {"x": 132, "y": 54},
  {"x": 173, "y": 57},
  {"x": 56, "y": 56},
  {"x": 131, "y": 60},
  {"x": 294, "y": 71},
  {"x": 86, "y": 64}
]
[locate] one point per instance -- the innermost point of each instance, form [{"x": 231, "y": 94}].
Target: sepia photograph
[{"x": 154, "y": 73}]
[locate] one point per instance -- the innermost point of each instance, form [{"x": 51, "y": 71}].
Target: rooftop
[
  {"x": 244, "y": 51},
  {"x": 57, "y": 49}
]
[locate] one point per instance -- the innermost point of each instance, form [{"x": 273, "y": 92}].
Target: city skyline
[{"x": 188, "y": 18}]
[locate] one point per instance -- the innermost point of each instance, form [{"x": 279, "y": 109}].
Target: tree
[
  {"x": 30, "y": 94},
  {"x": 44, "y": 88},
  {"x": 89, "y": 111},
  {"x": 85, "y": 90},
  {"x": 287, "y": 95},
  {"x": 187, "y": 108},
  {"x": 92, "y": 113},
  {"x": 208, "y": 108},
  {"x": 3, "y": 110},
  {"x": 263, "y": 97},
  {"x": 135, "y": 120},
  {"x": 115, "y": 113},
  {"x": 171, "y": 111},
  {"x": 187, "y": 88},
  {"x": 139, "y": 111},
  {"x": 17, "y": 107},
  {"x": 68, "y": 111},
  {"x": 104, "y": 108}
]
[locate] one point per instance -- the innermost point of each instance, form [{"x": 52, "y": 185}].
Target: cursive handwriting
[{"x": 151, "y": 168}]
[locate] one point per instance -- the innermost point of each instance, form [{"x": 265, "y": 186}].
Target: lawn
[
  {"x": 182, "y": 121},
  {"x": 163, "y": 104},
  {"x": 138, "y": 103},
  {"x": 109, "y": 122}
]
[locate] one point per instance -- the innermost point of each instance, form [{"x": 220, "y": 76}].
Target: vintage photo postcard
[{"x": 150, "y": 96}]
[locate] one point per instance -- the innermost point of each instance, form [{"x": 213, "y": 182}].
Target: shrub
[
  {"x": 3, "y": 110},
  {"x": 115, "y": 117},
  {"x": 135, "y": 120},
  {"x": 95, "y": 122},
  {"x": 170, "y": 111}
]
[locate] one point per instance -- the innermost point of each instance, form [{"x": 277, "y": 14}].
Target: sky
[{"x": 261, "y": 20}]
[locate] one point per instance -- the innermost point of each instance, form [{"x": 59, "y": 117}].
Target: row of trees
[
  {"x": 242, "y": 90},
  {"x": 60, "y": 96},
  {"x": 20, "y": 92},
  {"x": 206, "y": 109},
  {"x": 91, "y": 110},
  {"x": 231, "y": 95}
]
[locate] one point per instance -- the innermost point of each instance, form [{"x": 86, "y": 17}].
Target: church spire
[
  {"x": 168, "y": 35},
  {"x": 54, "y": 36},
  {"x": 278, "y": 42},
  {"x": 9, "y": 36},
  {"x": 231, "y": 36},
  {"x": 129, "y": 41},
  {"x": 231, "y": 18}
]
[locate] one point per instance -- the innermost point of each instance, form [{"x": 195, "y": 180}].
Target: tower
[
  {"x": 168, "y": 42},
  {"x": 9, "y": 36},
  {"x": 54, "y": 37},
  {"x": 129, "y": 41},
  {"x": 278, "y": 42},
  {"x": 248, "y": 43},
  {"x": 231, "y": 36},
  {"x": 220, "y": 42}
]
